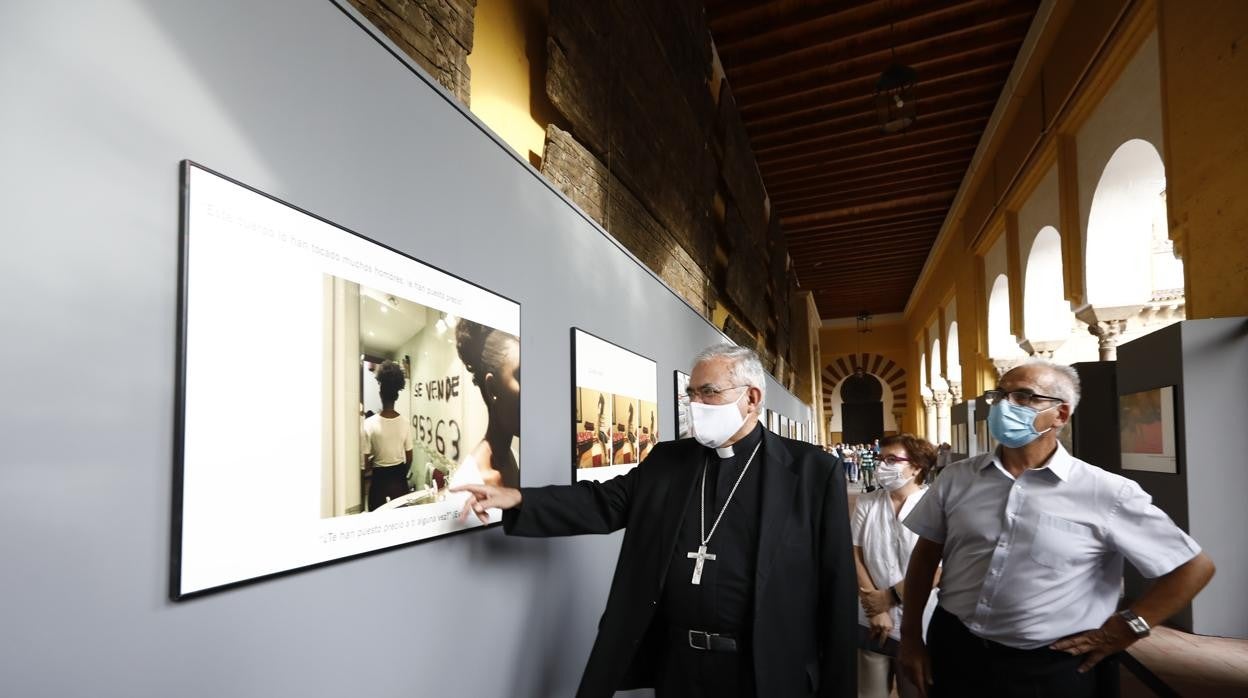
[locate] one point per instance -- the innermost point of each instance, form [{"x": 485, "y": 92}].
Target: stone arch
[
  {"x": 1046, "y": 314},
  {"x": 890, "y": 375},
  {"x": 1128, "y": 254},
  {"x": 1001, "y": 342},
  {"x": 953, "y": 358},
  {"x": 937, "y": 380}
]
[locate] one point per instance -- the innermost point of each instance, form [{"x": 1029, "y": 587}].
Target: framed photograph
[
  {"x": 784, "y": 426},
  {"x": 1146, "y": 430},
  {"x": 684, "y": 420},
  {"x": 384, "y": 381},
  {"x": 614, "y": 408}
]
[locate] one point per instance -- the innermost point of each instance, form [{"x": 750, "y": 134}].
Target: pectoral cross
[{"x": 701, "y": 556}]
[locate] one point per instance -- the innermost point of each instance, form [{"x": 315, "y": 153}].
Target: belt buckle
[{"x": 706, "y": 637}]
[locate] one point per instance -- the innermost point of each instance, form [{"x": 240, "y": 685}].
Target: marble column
[
  {"x": 1107, "y": 333},
  {"x": 929, "y": 411},
  {"x": 955, "y": 391},
  {"x": 944, "y": 433},
  {"x": 1108, "y": 325}
]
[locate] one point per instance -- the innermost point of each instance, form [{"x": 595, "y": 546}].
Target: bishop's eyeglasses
[{"x": 708, "y": 393}]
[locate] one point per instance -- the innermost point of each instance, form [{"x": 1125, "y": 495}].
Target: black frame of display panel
[
  {"x": 574, "y": 387},
  {"x": 179, "y": 441}
]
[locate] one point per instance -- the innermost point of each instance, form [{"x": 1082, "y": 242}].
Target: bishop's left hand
[{"x": 1112, "y": 637}]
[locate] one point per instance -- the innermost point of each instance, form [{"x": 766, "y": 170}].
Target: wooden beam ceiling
[{"x": 861, "y": 209}]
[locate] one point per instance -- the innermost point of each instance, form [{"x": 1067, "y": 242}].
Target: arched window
[
  {"x": 1046, "y": 314},
  {"x": 1129, "y": 255},
  {"x": 1001, "y": 342}
]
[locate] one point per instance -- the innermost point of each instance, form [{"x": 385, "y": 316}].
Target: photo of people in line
[
  {"x": 625, "y": 439},
  {"x": 682, "y": 406},
  {"x": 593, "y": 428},
  {"x": 420, "y": 400},
  {"x": 649, "y": 435}
]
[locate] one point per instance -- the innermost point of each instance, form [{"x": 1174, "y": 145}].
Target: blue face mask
[{"x": 1014, "y": 425}]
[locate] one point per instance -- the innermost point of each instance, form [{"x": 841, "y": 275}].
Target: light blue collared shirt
[{"x": 1030, "y": 560}]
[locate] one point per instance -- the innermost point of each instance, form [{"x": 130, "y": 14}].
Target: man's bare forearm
[
  {"x": 1171, "y": 592},
  {"x": 920, "y": 575}
]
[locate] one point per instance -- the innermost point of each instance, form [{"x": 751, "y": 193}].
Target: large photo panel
[
  {"x": 390, "y": 381},
  {"x": 614, "y": 407}
]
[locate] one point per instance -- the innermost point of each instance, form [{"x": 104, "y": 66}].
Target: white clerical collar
[{"x": 725, "y": 452}]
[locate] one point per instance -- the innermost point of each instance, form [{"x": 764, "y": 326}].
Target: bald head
[{"x": 1046, "y": 378}]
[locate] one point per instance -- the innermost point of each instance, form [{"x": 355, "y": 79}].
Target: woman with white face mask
[{"x": 882, "y": 547}]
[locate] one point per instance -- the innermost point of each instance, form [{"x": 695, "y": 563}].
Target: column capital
[
  {"x": 1107, "y": 325},
  {"x": 955, "y": 389},
  {"x": 1004, "y": 365},
  {"x": 1041, "y": 348}
]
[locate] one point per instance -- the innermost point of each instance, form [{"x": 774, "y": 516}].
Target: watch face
[{"x": 1137, "y": 624}]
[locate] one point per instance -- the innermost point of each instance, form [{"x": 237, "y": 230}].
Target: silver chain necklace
[{"x": 701, "y": 556}]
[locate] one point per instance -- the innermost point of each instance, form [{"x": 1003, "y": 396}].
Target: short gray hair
[
  {"x": 746, "y": 369},
  {"x": 1066, "y": 383}
]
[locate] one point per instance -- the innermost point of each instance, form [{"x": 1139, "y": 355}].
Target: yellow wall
[
  {"x": 1204, "y": 80},
  {"x": 508, "y": 63}
]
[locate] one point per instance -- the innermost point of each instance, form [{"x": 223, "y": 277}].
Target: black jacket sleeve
[
  {"x": 569, "y": 510},
  {"x": 838, "y": 584}
]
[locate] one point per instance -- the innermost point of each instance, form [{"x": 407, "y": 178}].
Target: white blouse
[{"x": 886, "y": 543}]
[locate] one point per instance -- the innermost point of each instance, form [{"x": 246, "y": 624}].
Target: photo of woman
[
  {"x": 493, "y": 359},
  {"x": 387, "y": 440}
]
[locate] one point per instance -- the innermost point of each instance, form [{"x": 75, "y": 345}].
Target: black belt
[{"x": 711, "y": 642}]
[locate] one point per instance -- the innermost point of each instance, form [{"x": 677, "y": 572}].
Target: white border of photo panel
[
  {"x": 609, "y": 368},
  {"x": 253, "y": 270}
]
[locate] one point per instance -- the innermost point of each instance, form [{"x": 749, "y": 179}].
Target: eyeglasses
[
  {"x": 1024, "y": 397},
  {"x": 894, "y": 460},
  {"x": 707, "y": 393}
]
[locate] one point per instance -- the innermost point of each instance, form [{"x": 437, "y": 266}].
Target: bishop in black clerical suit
[{"x": 735, "y": 576}]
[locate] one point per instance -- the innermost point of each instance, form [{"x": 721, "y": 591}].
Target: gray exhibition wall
[
  {"x": 1207, "y": 362},
  {"x": 101, "y": 103}
]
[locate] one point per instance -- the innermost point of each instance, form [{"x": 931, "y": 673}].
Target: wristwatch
[{"x": 1138, "y": 625}]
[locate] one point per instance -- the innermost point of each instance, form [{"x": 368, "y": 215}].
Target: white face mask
[
  {"x": 889, "y": 476},
  {"x": 715, "y": 424}
]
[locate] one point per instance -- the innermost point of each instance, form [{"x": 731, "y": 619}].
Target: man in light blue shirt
[{"x": 1032, "y": 542}]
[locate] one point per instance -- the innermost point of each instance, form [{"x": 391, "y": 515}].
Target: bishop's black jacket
[{"x": 805, "y": 588}]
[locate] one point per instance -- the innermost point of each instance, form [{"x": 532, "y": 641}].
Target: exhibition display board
[
  {"x": 333, "y": 324},
  {"x": 614, "y": 406}
]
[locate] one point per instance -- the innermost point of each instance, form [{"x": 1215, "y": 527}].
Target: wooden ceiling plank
[
  {"x": 944, "y": 116},
  {"x": 830, "y": 189},
  {"x": 790, "y": 89},
  {"x": 828, "y": 109},
  {"x": 818, "y": 66},
  {"x": 959, "y": 156},
  {"x": 825, "y": 161}
]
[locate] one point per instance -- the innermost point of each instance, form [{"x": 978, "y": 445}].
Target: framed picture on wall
[
  {"x": 614, "y": 408},
  {"x": 684, "y": 420},
  {"x": 378, "y": 377},
  {"x": 1146, "y": 430}
]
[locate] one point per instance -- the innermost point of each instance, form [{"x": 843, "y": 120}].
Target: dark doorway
[{"x": 862, "y": 409}]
